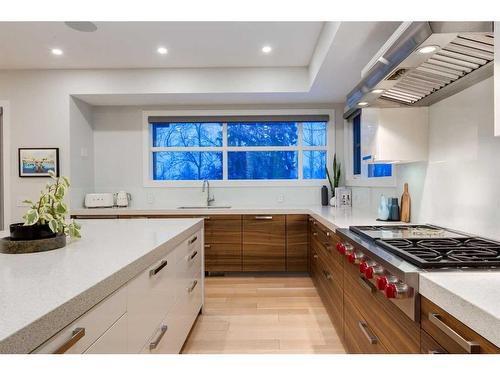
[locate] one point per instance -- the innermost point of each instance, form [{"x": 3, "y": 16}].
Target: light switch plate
[{"x": 281, "y": 198}]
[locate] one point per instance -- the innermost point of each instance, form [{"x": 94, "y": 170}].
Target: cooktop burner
[
  {"x": 445, "y": 252},
  {"x": 404, "y": 231}
]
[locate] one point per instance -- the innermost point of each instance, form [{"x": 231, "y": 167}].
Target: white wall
[
  {"x": 118, "y": 155},
  {"x": 81, "y": 150},
  {"x": 462, "y": 179},
  {"x": 459, "y": 185},
  {"x": 40, "y": 104}
]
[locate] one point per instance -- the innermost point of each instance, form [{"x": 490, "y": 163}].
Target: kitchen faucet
[{"x": 209, "y": 199}]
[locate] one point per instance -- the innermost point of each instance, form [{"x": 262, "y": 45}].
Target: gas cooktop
[
  {"x": 445, "y": 252},
  {"x": 404, "y": 232}
]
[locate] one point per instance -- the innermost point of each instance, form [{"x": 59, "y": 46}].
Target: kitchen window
[{"x": 236, "y": 150}]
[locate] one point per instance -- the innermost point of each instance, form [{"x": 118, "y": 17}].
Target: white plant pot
[{"x": 333, "y": 201}]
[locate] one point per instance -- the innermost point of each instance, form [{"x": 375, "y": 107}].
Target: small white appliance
[
  {"x": 96, "y": 200},
  {"x": 123, "y": 199}
]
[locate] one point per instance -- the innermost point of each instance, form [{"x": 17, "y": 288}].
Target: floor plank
[{"x": 262, "y": 315}]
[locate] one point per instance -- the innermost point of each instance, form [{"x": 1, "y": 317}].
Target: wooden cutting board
[{"x": 405, "y": 205}]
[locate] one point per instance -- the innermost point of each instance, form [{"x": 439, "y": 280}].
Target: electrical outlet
[
  {"x": 281, "y": 198},
  {"x": 150, "y": 198}
]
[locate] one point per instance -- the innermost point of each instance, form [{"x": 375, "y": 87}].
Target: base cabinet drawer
[
  {"x": 113, "y": 341},
  {"x": 430, "y": 346},
  {"x": 83, "y": 332},
  {"x": 359, "y": 337},
  {"x": 450, "y": 333}
]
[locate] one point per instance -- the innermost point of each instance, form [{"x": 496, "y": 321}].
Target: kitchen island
[{"x": 42, "y": 293}]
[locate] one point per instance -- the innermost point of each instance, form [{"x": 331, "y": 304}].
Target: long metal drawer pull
[
  {"x": 163, "y": 329},
  {"x": 367, "y": 285},
  {"x": 154, "y": 271},
  {"x": 76, "y": 336},
  {"x": 469, "y": 346},
  {"x": 372, "y": 339},
  {"x": 206, "y": 217},
  {"x": 207, "y": 246},
  {"x": 192, "y": 240},
  {"x": 191, "y": 288},
  {"x": 434, "y": 352},
  {"x": 193, "y": 255},
  {"x": 263, "y": 217}
]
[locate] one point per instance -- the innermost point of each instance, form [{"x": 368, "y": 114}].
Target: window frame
[
  {"x": 360, "y": 180},
  {"x": 148, "y": 148}
]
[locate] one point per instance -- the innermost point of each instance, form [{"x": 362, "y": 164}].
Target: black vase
[
  {"x": 324, "y": 196},
  {"x": 20, "y": 232}
]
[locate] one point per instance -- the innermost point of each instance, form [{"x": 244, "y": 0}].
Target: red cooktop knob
[
  {"x": 363, "y": 267},
  {"x": 341, "y": 248},
  {"x": 390, "y": 291},
  {"x": 381, "y": 282},
  {"x": 351, "y": 258},
  {"x": 369, "y": 272}
]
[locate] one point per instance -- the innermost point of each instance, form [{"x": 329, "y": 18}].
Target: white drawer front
[
  {"x": 80, "y": 334},
  {"x": 113, "y": 341},
  {"x": 150, "y": 297},
  {"x": 187, "y": 247}
]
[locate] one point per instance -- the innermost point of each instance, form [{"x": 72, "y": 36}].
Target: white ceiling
[{"x": 27, "y": 45}]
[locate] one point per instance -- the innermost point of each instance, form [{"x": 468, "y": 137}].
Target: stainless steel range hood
[{"x": 402, "y": 73}]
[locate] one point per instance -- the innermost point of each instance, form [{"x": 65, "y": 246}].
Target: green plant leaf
[
  {"x": 31, "y": 217},
  {"x": 65, "y": 181},
  {"x": 53, "y": 226},
  {"x": 61, "y": 208}
]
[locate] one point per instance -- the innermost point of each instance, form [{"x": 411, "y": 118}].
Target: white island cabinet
[{"x": 152, "y": 281}]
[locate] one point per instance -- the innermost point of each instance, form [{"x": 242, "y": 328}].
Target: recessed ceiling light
[
  {"x": 57, "y": 51},
  {"x": 428, "y": 49},
  {"x": 267, "y": 49},
  {"x": 162, "y": 50},
  {"x": 363, "y": 104},
  {"x": 377, "y": 91}
]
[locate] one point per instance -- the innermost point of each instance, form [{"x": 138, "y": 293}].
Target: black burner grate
[{"x": 445, "y": 252}]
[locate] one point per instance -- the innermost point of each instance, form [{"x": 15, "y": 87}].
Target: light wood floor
[{"x": 262, "y": 315}]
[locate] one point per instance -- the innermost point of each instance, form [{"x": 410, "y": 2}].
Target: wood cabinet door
[
  {"x": 223, "y": 243},
  {"x": 296, "y": 243},
  {"x": 264, "y": 243},
  {"x": 450, "y": 333},
  {"x": 359, "y": 337}
]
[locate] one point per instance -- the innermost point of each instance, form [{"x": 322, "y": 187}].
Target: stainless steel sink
[{"x": 202, "y": 207}]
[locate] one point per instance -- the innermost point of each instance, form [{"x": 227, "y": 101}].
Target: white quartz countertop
[
  {"x": 328, "y": 216},
  {"x": 472, "y": 297},
  {"x": 41, "y": 293}
]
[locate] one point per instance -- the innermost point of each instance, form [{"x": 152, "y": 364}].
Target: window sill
[{"x": 238, "y": 183}]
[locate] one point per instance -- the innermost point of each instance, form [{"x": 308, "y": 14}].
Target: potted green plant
[
  {"x": 46, "y": 217},
  {"x": 336, "y": 177}
]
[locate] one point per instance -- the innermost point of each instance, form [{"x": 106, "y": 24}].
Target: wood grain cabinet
[
  {"x": 223, "y": 243},
  {"x": 296, "y": 243},
  {"x": 445, "y": 333},
  {"x": 264, "y": 243}
]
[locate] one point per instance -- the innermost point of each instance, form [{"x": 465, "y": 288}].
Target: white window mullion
[
  {"x": 224, "y": 152},
  {"x": 300, "y": 156}
]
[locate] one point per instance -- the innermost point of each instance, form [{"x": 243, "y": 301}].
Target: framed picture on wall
[{"x": 37, "y": 162}]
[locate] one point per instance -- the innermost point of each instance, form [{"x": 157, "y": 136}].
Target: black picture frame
[{"x": 37, "y": 152}]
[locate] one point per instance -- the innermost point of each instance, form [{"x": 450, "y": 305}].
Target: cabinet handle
[
  {"x": 76, "y": 335},
  {"x": 315, "y": 233},
  {"x": 154, "y": 271},
  {"x": 434, "y": 352},
  {"x": 367, "y": 285},
  {"x": 193, "y": 255},
  {"x": 327, "y": 234},
  {"x": 327, "y": 275},
  {"x": 191, "y": 288},
  {"x": 207, "y": 246},
  {"x": 328, "y": 247},
  {"x": 372, "y": 339},
  {"x": 263, "y": 217},
  {"x": 206, "y": 217},
  {"x": 315, "y": 256},
  {"x": 154, "y": 344},
  {"x": 469, "y": 346},
  {"x": 192, "y": 240}
]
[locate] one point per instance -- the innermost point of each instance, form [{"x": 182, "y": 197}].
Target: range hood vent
[{"x": 402, "y": 76}]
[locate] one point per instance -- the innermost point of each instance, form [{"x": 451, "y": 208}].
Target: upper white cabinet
[
  {"x": 394, "y": 134},
  {"x": 497, "y": 80}
]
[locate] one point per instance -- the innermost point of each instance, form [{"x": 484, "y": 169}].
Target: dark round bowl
[{"x": 20, "y": 232}]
